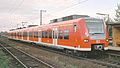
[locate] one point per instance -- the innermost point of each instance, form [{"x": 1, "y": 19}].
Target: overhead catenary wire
[
  {"x": 74, "y": 5},
  {"x": 48, "y": 14},
  {"x": 17, "y": 6},
  {"x": 13, "y": 10},
  {"x": 63, "y": 9}
]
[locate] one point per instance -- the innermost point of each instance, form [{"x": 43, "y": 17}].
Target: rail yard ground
[
  {"x": 6, "y": 61},
  {"x": 57, "y": 60}
]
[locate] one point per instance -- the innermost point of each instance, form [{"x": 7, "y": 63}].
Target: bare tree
[{"x": 117, "y": 19}]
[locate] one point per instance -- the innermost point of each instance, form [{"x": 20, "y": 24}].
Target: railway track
[
  {"x": 25, "y": 59},
  {"x": 103, "y": 61},
  {"x": 114, "y": 52}
]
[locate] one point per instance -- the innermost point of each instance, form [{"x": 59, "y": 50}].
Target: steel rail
[
  {"x": 14, "y": 56},
  {"x": 25, "y": 66},
  {"x": 36, "y": 58},
  {"x": 91, "y": 60},
  {"x": 112, "y": 54},
  {"x": 82, "y": 58}
]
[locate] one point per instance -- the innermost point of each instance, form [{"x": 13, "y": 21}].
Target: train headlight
[
  {"x": 86, "y": 40},
  {"x": 107, "y": 40}
]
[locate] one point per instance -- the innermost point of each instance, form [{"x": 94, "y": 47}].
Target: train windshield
[{"x": 95, "y": 26}]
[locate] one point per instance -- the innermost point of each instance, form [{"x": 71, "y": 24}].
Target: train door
[
  {"x": 39, "y": 36},
  {"x": 55, "y": 35},
  {"x": 75, "y": 34}
]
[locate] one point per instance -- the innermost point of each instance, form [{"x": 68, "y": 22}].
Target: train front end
[{"x": 97, "y": 34}]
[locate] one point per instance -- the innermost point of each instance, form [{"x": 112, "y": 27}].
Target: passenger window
[
  {"x": 30, "y": 34},
  {"x": 60, "y": 35},
  {"x": 15, "y": 34},
  {"x": 43, "y": 34},
  {"x": 24, "y": 34},
  {"x": 46, "y": 34},
  {"x": 50, "y": 34},
  {"x": 53, "y": 35},
  {"x": 75, "y": 28},
  {"x": 36, "y": 34},
  {"x": 66, "y": 34},
  {"x": 20, "y": 34}
]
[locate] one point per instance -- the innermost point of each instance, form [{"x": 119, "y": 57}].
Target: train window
[
  {"x": 46, "y": 34},
  {"x": 66, "y": 34},
  {"x": 14, "y": 34},
  {"x": 53, "y": 34},
  {"x": 24, "y": 34},
  {"x": 55, "y": 37},
  {"x": 75, "y": 29},
  {"x": 36, "y": 34},
  {"x": 60, "y": 34},
  {"x": 50, "y": 34},
  {"x": 30, "y": 34},
  {"x": 20, "y": 34},
  {"x": 43, "y": 34}
]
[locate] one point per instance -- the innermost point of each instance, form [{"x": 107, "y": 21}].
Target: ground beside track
[
  {"x": 60, "y": 61},
  {"x": 6, "y": 61}
]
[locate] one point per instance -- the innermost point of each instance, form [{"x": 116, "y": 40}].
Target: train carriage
[{"x": 81, "y": 34}]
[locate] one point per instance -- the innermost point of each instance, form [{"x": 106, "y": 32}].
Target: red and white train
[{"x": 80, "y": 34}]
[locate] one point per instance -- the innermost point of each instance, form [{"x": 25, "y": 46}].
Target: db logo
[{"x": 97, "y": 41}]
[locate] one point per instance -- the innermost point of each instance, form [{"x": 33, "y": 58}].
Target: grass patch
[{"x": 4, "y": 60}]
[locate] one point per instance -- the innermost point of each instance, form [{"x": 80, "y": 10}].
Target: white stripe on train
[{"x": 58, "y": 46}]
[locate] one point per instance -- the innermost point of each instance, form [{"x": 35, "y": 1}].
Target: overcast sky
[{"x": 13, "y": 12}]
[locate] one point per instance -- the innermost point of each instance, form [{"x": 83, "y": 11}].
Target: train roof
[
  {"x": 66, "y": 18},
  {"x": 43, "y": 27},
  {"x": 58, "y": 23}
]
